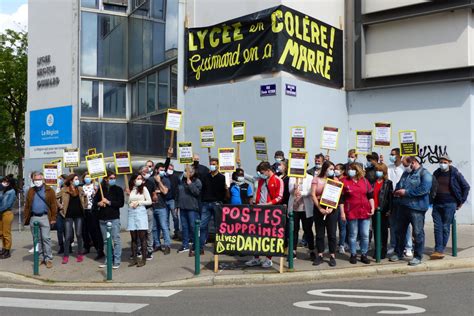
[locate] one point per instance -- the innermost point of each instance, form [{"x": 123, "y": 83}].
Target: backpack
[{"x": 434, "y": 187}]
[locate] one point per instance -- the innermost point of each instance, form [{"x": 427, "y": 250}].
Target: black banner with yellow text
[{"x": 275, "y": 39}]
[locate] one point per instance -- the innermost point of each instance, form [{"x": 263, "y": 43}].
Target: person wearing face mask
[
  {"x": 160, "y": 211},
  {"x": 357, "y": 208},
  {"x": 172, "y": 193},
  {"x": 318, "y": 163},
  {"x": 7, "y": 200},
  {"x": 214, "y": 192},
  {"x": 60, "y": 223},
  {"x": 343, "y": 242},
  {"x": 451, "y": 193},
  {"x": 270, "y": 190},
  {"x": 325, "y": 218},
  {"x": 383, "y": 204},
  {"x": 137, "y": 217},
  {"x": 412, "y": 194},
  {"x": 91, "y": 228},
  {"x": 189, "y": 192},
  {"x": 41, "y": 206},
  {"x": 351, "y": 158},
  {"x": 279, "y": 157},
  {"x": 149, "y": 182},
  {"x": 74, "y": 202},
  {"x": 107, "y": 208},
  {"x": 201, "y": 170},
  {"x": 372, "y": 161},
  {"x": 283, "y": 168},
  {"x": 240, "y": 191}
]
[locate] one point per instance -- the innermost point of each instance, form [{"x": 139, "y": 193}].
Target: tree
[{"x": 13, "y": 97}]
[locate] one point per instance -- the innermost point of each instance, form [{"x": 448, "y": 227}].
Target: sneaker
[
  {"x": 312, "y": 256},
  {"x": 342, "y": 250},
  {"x": 80, "y": 258},
  {"x": 267, "y": 263},
  {"x": 332, "y": 262},
  {"x": 102, "y": 265},
  {"x": 33, "y": 249},
  {"x": 394, "y": 258},
  {"x": 317, "y": 261},
  {"x": 414, "y": 262},
  {"x": 139, "y": 254},
  {"x": 353, "y": 259},
  {"x": 49, "y": 264},
  {"x": 175, "y": 236},
  {"x": 436, "y": 255},
  {"x": 167, "y": 250},
  {"x": 99, "y": 256},
  {"x": 390, "y": 251},
  {"x": 364, "y": 259},
  {"x": 149, "y": 256},
  {"x": 182, "y": 249},
  {"x": 116, "y": 266},
  {"x": 253, "y": 263},
  {"x": 65, "y": 260},
  {"x": 408, "y": 253}
]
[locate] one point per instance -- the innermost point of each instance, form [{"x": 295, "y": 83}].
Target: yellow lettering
[
  {"x": 320, "y": 62},
  {"x": 291, "y": 48},
  {"x": 248, "y": 244},
  {"x": 265, "y": 246},
  {"x": 314, "y": 32},
  {"x": 280, "y": 244},
  {"x": 306, "y": 29},
  {"x": 276, "y": 25},
  {"x": 192, "y": 46},
  {"x": 289, "y": 20},
  {"x": 311, "y": 60},
  {"x": 202, "y": 35},
  {"x": 302, "y": 58},
  {"x": 324, "y": 43},
  {"x": 240, "y": 243},
  {"x": 327, "y": 75},
  {"x": 267, "y": 51},
  {"x": 213, "y": 41},
  {"x": 225, "y": 34},
  {"x": 237, "y": 35},
  {"x": 297, "y": 27}
]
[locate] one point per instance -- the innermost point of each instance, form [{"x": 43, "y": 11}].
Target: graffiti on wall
[{"x": 431, "y": 154}]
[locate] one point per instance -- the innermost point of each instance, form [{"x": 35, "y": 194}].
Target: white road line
[
  {"x": 104, "y": 307},
  {"x": 142, "y": 293}
]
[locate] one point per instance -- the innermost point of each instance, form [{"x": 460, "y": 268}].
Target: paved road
[{"x": 429, "y": 294}]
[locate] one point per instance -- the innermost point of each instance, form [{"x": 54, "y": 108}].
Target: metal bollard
[
  {"x": 197, "y": 247},
  {"x": 378, "y": 235},
  {"x": 454, "y": 238},
  {"x": 291, "y": 241},
  {"x": 35, "y": 248},
  {"x": 109, "y": 251}
]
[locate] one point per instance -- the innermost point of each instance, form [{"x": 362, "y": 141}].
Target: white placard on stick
[
  {"x": 329, "y": 138},
  {"x": 173, "y": 120}
]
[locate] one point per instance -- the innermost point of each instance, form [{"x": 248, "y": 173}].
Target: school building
[{"x": 103, "y": 73}]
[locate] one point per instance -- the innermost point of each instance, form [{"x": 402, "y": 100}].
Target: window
[
  {"x": 94, "y": 4},
  {"x": 114, "y": 100},
  {"x": 163, "y": 89},
  {"x": 134, "y": 99},
  {"x": 174, "y": 86},
  {"x": 147, "y": 44},
  {"x": 89, "y": 98},
  {"x": 151, "y": 92},
  {"x": 157, "y": 9},
  {"x": 142, "y": 96},
  {"x": 171, "y": 44},
  {"x": 158, "y": 43},
  {"x": 105, "y": 137}
]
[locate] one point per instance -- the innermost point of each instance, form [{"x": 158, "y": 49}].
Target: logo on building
[{"x": 50, "y": 120}]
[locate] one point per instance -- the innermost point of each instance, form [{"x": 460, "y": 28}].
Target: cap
[{"x": 445, "y": 157}]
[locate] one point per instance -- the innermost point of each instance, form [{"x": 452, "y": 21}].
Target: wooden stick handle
[
  {"x": 172, "y": 139},
  {"x": 125, "y": 176},
  {"x": 101, "y": 191}
]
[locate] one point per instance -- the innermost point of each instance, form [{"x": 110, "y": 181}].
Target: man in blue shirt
[{"x": 240, "y": 191}]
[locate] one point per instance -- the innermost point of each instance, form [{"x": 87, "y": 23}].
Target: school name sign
[{"x": 275, "y": 39}]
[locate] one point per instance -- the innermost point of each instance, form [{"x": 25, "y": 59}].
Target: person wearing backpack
[
  {"x": 412, "y": 193},
  {"x": 240, "y": 191},
  {"x": 451, "y": 193}
]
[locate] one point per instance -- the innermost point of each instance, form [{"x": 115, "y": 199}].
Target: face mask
[
  {"x": 196, "y": 162},
  {"x": 350, "y": 160},
  {"x": 408, "y": 169},
  {"x": 87, "y": 180},
  {"x": 146, "y": 176},
  {"x": 393, "y": 158},
  {"x": 4, "y": 184},
  {"x": 337, "y": 173},
  {"x": 213, "y": 168},
  {"x": 352, "y": 173},
  {"x": 330, "y": 173},
  {"x": 38, "y": 183},
  {"x": 318, "y": 166},
  {"x": 278, "y": 159},
  {"x": 444, "y": 166},
  {"x": 170, "y": 172},
  {"x": 112, "y": 181},
  {"x": 240, "y": 179},
  {"x": 61, "y": 182},
  {"x": 368, "y": 164},
  {"x": 162, "y": 173},
  {"x": 76, "y": 183},
  {"x": 138, "y": 183},
  {"x": 279, "y": 170},
  {"x": 379, "y": 174}
]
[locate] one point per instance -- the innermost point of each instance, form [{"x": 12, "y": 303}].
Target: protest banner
[
  {"x": 59, "y": 163},
  {"x": 261, "y": 151},
  {"x": 250, "y": 230},
  {"x": 363, "y": 142},
  {"x": 329, "y": 138},
  {"x": 96, "y": 168},
  {"x": 208, "y": 139},
  {"x": 297, "y": 163},
  {"x": 331, "y": 193},
  {"x": 173, "y": 123},
  {"x": 123, "y": 165},
  {"x": 71, "y": 158},
  {"x": 271, "y": 40},
  {"x": 297, "y": 136},
  {"x": 383, "y": 134},
  {"x": 91, "y": 151},
  {"x": 227, "y": 160},
  {"x": 50, "y": 172},
  {"x": 185, "y": 152},
  {"x": 408, "y": 143}
]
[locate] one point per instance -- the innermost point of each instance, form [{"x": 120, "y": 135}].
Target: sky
[{"x": 13, "y": 15}]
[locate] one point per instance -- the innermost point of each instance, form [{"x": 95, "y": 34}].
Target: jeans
[
  {"x": 161, "y": 218},
  {"x": 170, "y": 204},
  {"x": 323, "y": 225},
  {"x": 342, "y": 225},
  {"x": 68, "y": 225},
  {"x": 359, "y": 227},
  {"x": 44, "y": 236},
  {"x": 393, "y": 219},
  {"x": 60, "y": 231},
  {"x": 91, "y": 232},
  {"x": 149, "y": 242},
  {"x": 208, "y": 210},
  {"x": 187, "y": 218},
  {"x": 416, "y": 218},
  {"x": 443, "y": 215},
  {"x": 116, "y": 241}
]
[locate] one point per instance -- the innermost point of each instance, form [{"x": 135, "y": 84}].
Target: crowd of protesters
[{"x": 402, "y": 191}]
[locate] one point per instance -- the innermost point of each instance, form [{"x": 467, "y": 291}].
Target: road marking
[
  {"x": 407, "y": 309},
  {"x": 142, "y": 293},
  {"x": 408, "y": 295},
  {"x": 104, "y": 307}
]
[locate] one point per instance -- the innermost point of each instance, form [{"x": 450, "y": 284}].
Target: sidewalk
[{"x": 174, "y": 268}]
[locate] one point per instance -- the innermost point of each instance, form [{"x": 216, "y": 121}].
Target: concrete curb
[{"x": 259, "y": 278}]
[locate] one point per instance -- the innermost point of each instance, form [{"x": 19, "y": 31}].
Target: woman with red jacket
[{"x": 357, "y": 209}]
